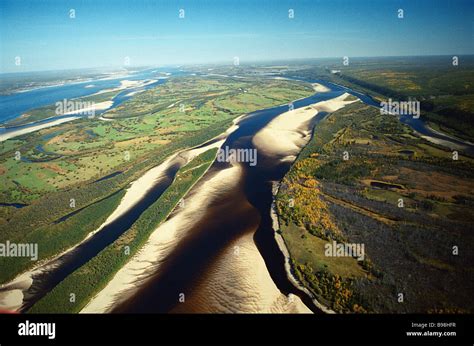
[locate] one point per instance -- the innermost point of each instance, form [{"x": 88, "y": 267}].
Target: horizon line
[{"x": 246, "y": 62}]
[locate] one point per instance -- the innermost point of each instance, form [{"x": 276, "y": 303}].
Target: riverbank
[
  {"x": 451, "y": 142},
  {"x": 284, "y": 250},
  {"x": 95, "y": 107},
  {"x": 101, "y": 106},
  {"x": 14, "y": 291},
  {"x": 324, "y": 199},
  {"x": 127, "y": 84}
]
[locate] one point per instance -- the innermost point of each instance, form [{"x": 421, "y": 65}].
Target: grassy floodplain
[{"x": 408, "y": 249}]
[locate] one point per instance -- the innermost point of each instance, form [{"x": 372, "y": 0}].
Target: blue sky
[{"x": 150, "y": 32}]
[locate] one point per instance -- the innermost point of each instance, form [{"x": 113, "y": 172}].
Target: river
[
  {"x": 232, "y": 216},
  {"x": 14, "y": 105}
]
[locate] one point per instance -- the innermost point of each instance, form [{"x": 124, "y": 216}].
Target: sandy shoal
[
  {"x": 233, "y": 284},
  {"x": 320, "y": 88},
  {"x": 95, "y": 107},
  {"x": 126, "y": 84},
  {"x": 285, "y": 135},
  {"x": 443, "y": 142},
  {"x": 238, "y": 281},
  {"x": 245, "y": 280},
  {"x": 19, "y": 132}
]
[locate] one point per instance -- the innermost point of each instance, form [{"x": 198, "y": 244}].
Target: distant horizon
[
  {"x": 51, "y": 36},
  {"x": 226, "y": 63}
]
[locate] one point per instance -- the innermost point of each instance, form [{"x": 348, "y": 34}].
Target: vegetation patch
[{"x": 408, "y": 221}]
